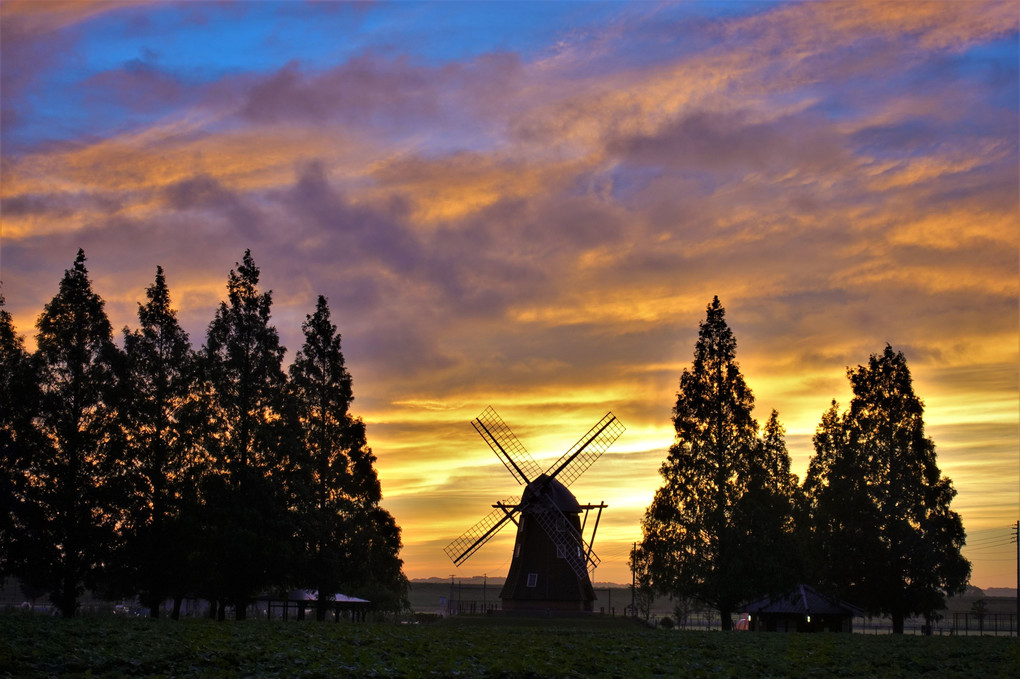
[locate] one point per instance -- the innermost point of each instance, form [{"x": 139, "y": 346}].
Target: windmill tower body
[
  {"x": 552, "y": 563},
  {"x": 540, "y": 577}
]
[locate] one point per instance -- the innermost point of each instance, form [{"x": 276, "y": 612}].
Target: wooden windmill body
[{"x": 552, "y": 562}]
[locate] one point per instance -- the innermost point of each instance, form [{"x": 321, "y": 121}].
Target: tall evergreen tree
[
  {"x": 837, "y": 522},
  {"x": 163, "y": 418},
  {"x": 349, "y": 538},
  {"x": 879, "y": 504},
  {"x": 248, "y": 498},
  {"x": 77, "y": 479},
  {"x": 764, "y": 517},
  {"x": 19, "y": 399},
  {"x": 380, "y": 576},
  {"x": 691, "y": 546}
]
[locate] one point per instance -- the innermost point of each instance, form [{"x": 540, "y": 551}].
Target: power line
[
  {"x": 996, "y": 538},
  {"x": 995, "y": 528},
  {"x": 987, "y": 547}
]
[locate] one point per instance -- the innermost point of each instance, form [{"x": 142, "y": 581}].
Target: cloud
[
  {"x": 31, "y": 18},
  {"x": 140, "y": 85},
  {"x": 355, "y": 92},
  {"x": 735, "y": 145}
]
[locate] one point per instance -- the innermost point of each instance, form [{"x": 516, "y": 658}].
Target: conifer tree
[
  {"x": 691, "y": 546},
  {"x": 248, "y": 496},
  {"x": 837, "y": 524},
  {"x": 163, "y": 417},
  {"x": 19, "y": 399},
  {"x": 77, "y": 479},
  {"x": 763, "y": 519},
  {"x": 879, "y": 505},
  {"x": 349, "y": 538}
]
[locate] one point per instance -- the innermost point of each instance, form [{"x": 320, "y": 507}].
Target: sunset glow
[{"x": 529, "y": 206}]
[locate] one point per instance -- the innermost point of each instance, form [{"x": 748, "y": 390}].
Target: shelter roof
[
  {"x": 313, "y": 595},
  {"x": 804, "y": 600}
]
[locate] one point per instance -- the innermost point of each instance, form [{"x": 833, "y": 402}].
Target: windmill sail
[
  {"x": 480, "y": 533},
  {"x": 508, "y": 449},
  {"x": 589, "y": 448},
  {"x": 570, "y": 545}
]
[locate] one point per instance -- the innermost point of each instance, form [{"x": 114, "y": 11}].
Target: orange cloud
[{"x": 33, "y": 17}]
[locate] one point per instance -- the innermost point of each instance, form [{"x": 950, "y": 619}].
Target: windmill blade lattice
[
  {"x": 508, "y": 449},
  {"x": 477, "y": 535},
  {"x": 569, "y": 544},
  {"x": 589, "y": 448}
]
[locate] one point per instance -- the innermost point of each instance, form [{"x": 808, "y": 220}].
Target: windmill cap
[{"x": 549, "y": 487}]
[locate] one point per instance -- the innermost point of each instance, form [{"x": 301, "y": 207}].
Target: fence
[{"x": 958, "y": 624}]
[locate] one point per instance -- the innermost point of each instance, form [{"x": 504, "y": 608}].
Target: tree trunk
[
  {"x": 66, "y": 599},
  {"x": 727, "y": 618},
  {"x": 153, "y": 603},
  {"x": 240, "y": 609},
  {"x": 176, "y": 614},
  {"x": 897, "y": 622}
]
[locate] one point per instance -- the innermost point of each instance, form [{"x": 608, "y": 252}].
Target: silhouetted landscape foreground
[
  {"x": 475, "y": 646},
  {"x": 156, "y": 472}
]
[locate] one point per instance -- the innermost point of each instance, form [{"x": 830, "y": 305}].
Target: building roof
[
  {"x": 547, "y": 486},
  {"x": 313, "y": 595},
  {"x": 804, "y": 600}
]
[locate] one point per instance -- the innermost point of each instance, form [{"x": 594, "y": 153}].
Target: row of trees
[
  {"x": 871, "y": 521},
  {"x": 166, "y": 472}
]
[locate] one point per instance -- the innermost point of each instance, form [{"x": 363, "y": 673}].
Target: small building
[
  {"x": 298, "y": 602},
  {"x": 803, "y": 609}
]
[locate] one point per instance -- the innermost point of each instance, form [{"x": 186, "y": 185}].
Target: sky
[{"x": 530, "y": 205}]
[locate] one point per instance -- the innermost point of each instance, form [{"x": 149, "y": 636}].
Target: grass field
[{"x": 469, "y": 646}]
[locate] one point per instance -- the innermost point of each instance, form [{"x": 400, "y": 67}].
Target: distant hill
[
  {"x": 471, "y": 580},
  {"x": 493, "y": 581},
  {"x": 1009, "y": 592}
]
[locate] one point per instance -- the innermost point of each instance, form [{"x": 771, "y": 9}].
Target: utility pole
[
  {"x": 1016, "y": 539},
  {"x": 633, "y": 583}
]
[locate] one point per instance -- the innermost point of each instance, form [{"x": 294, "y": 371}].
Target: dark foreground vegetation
[{"x": 472, "y": 646}]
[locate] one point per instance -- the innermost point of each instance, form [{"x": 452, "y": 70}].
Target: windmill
[{"x": 552, "y": 563}]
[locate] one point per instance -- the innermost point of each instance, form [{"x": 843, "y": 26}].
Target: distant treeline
[
  {"x": 165, "y": 472},
  {"x": 871, "y": 522}
]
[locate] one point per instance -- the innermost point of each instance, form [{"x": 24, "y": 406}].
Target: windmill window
[
  {"x": 517, "y": 549},
  {"x": 532, "y": 579}
]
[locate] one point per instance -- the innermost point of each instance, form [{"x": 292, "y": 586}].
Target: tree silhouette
[
  {"x": 879, "y": 505},
  {"x": 837, "y": 524},
  {"x": 163, "y": 417},
  {"x": 763, "y": 518},
  {"x": 691, "y": 546},
  {"x": 343, "y": 528},
  {"x": 254, "y": 446},
  {"x": 159, "y": 471},
  {"x": 19, "y": 399},
  {"x": 77, "y": 479}
]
